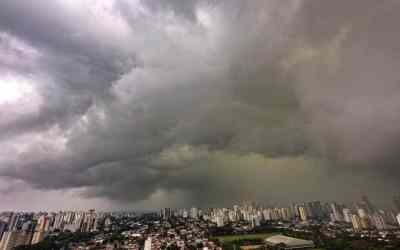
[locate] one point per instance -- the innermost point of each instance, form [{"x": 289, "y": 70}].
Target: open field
[{"x": 229, "y": 238}]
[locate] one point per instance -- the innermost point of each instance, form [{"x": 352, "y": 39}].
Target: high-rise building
[
  {"x": 14, "y": 238},
  {"x": 232, "y": 216},
  {"x": 295, "y": 210},
  {"x": 148, "y": 244},
  {"x": 194, "y": 213},
  {"x": 356, "y": 221},
  {"x": 398, "y": 219},
  {"x": 89, "y": 221},
  {"x": 317, "y": 209},
  {"x": 365, "y": 223},
  {"x": 13, "y": 222},
  {"x": 166, "y": 213},
  {"x": 390, "y": 217},
  {"x": 185, "y": 214},
  {"x": 255, "y": 221},
  {"x": 3, "y": 227},
  {"x": 378, "y": 222},
  {"x": 107, "y": 221},
  {"x": 267, "y": 214},
  {"x": 285, "y": 214},
  {"x": 337, "y": 215},
  {"x": 40, "y": 229},
  {"x": 303, "y": 213},
  {"x": 220, "y": 221},
  {"x": 58, "y": 222},
  {"x": 347, "y": 215}
]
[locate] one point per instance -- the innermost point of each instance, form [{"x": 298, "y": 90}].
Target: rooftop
[{"x": 290, "y": 242}]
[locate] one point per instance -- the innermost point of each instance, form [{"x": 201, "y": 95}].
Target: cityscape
[{"x": 306, "y": 225}]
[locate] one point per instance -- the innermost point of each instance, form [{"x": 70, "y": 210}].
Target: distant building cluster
[
  {"x": 362, "y": 215},
  {"x": 195, "y": 228},
  {"x": 31, "y": 228}
]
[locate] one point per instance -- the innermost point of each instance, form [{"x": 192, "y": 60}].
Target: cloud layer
[{"x": 156, "y": 103}]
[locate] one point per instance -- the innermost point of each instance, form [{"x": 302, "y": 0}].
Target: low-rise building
[{"x": 285, "y": 242}]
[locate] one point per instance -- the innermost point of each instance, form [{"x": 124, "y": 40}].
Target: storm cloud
[{"x": 173, "y": 103}]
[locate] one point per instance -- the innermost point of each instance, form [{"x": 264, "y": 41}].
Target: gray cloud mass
[{"x": 156, "y": 103}]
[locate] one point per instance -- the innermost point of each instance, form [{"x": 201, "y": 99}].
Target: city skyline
[
  {"x": 362, "y": 201},
  {"x": 146, "y": 104},
  {"x": 318, "y": 222}
]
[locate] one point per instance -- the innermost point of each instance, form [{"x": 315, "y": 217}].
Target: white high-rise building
[
  {"x": 194, "y": 213},
  {"x": 267, "y": 214},
  {"x": 147, "y": 244},
  {"x": 398, "y": 219},
  {"x": 337, "y": 216},
  {"x": 347, "y": 215},
  {"x": 220, "y": 221}
]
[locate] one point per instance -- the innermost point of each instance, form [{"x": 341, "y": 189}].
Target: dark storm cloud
[
  {"x": 206, "y": 102},
  {"x": 355, "y": 109},
  {"x": 74, "y": 63}
]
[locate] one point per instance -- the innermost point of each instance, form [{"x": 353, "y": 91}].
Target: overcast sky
[{"x": 147, "y": 104}]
